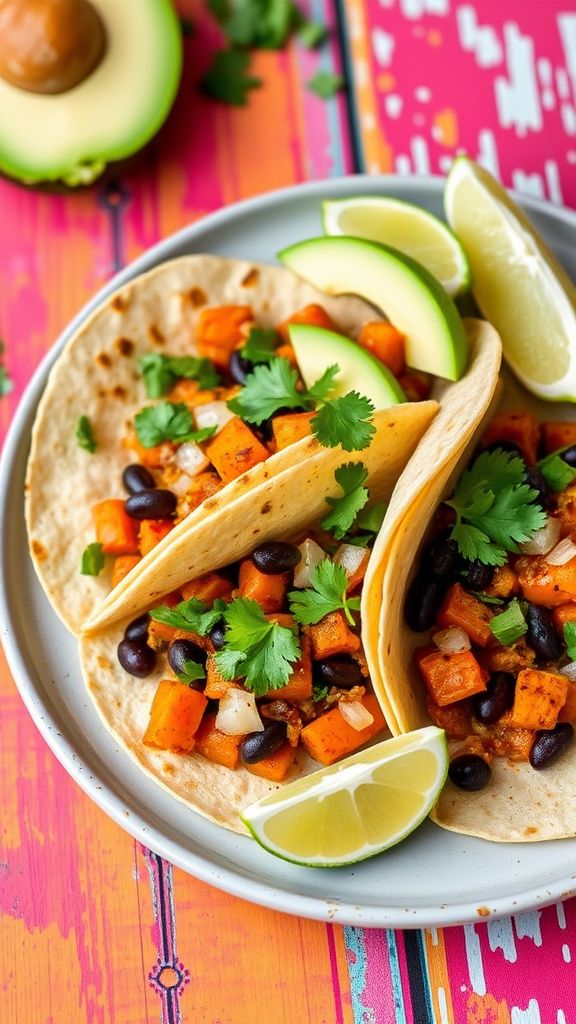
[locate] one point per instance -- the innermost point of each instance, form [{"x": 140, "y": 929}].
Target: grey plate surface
[{"x": 435, "y": 878}]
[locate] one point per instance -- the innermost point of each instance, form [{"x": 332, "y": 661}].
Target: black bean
[
  {"x": 276, "y": 556},
  {"x": 423, "y": 602},
  {"x": 239, "y": 367},
  {"x": 441, "y": 557},
  {"x": 534, "y": 478},
  {"x": 542, "y": 634},
  {"x": 181, "y": 651},
  {"x": 342, "y": 672},
  {"x": 470, "y": 772},
  {"x": 218, "y": 634},
  {"x": 497, "y": 698},
  {"x": 475, "y": 575},
  {"x": 137, "y": 478},
  {"x": 549, "y": 744},
  {"x": 569, "y": 455},
  {"x": 136, "y": 658},
  {"x": 157, "y": 504},
  {"x": 258, "y": 745},
  {"x": 138, "y": 628}
]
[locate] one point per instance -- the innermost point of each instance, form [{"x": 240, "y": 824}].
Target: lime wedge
[
  {"x": 357, "y": 808},
  {"x": 405, "y": 227},
  {"x": 518, "y": 284}
]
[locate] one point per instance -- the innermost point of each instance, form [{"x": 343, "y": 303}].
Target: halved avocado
[{"x": 115, "y": 111}]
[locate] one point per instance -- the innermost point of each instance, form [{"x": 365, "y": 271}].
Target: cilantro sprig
[
  {"x": 327, "y": 594},
  {"x": 161, "y": 372},
  {"x": 260, "y": 652},
  {"x": 167, "y": 421},
  {"x": 570, "y": 639},
  {"x": 260, "y": 345},
  {"x": 193, "y": 616},
  {"x": 351, "y": 477},
  {"x": 556, "y": 472},
  {"x": 92, "y": 560},
  {"x": 495, "y": 510},
  {"x": 85, "y": 435},
  {"x": 345, "y": 421},
  {"x": 228, "y": 78},
  {"x": 508, "y": 626},
  {"x": 193, "y": 670}
]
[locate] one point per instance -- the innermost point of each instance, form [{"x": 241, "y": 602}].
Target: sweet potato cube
[
  {"x": 545, "y": 584},
  {"x": 416, "y": 385},
  {"x": 291, "y": 427},
  {"x": 122, "y": 566},
  {"x": 158, "y": 455},
  {"x": 215, "y": 745},
  {"x": 116, "y": 531},
  {"x": 299, "y": 685},
  {"x": 520, "y": 428},
  {"x": 151, "y": 532},
  {"x": 466, "y": 612},
  {"x": 504, "y": 582},
  {"x": 329, "y": 737},
  {"x": 386, "y": 343},
  {"x": 567, "y": 712},
  {"x": 455, "y": 719},
  {"x": 332, "y": 635},
  {"x": 558, "y": 435},
  {"x": 498, "y": 658},
  {"x": 204, "y": 486},
  {"x": 216, "y": 685},
  {"x": 507, "y": 740},
  {"x": 175, "y": 715},
  {"x": 207, "y": 588},
  {"x": 275, "y": 767},
  {"x": 235, "y": 450},
  {"x": 286, "y": 351},
  {"x": 269, "y": 591},
  {"x": 313, "y": 314},
  {"x": 219, "y": 331},
  {"x": 566, "y": 509},
  {"x": 562, "y": 614},
  {"x": 538, "y": 698},
  {"x": 450, "y": 677}
]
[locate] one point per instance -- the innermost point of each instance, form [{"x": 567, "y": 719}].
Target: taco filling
[{"x": 495, "y": 589}]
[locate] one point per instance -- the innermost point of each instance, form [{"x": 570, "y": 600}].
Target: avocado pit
[{"x": 49, "y": 46}]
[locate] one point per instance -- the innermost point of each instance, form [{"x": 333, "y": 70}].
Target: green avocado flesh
[
  {"x": 317, "y": 348},
  {"x": 71, "y": 137},
  {"x": 407, "y": 293}
]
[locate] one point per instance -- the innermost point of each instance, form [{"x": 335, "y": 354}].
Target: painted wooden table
[{"x": 94, "y": 928}]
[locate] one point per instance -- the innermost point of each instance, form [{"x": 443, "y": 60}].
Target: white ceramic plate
[{"x": 435, "y": 878}]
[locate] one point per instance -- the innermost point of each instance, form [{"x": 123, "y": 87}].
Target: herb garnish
[
  {"x": 228, "y": 78},
  {"x": 495, "y": 510},
  {"x": 168, "y": 421},
  {"x": 161, "y": 372},
  {"x": 345, "y": 421},
  {"x": 85, "y": 435},
  {"x": 319, "y": 693},
  {"x": 312, "y": 34},
  {"x": 509, "y": 625},
  {"x": 92, "y": 560},
  {"x": 557, "y": 473},
  {"x": 325, "y": 84},
  {"x": 192, "y": 670},
  {"x": 327, "y": 594},
  {"x": 570, "y": 639},
  {"x": 259, "y": 651},
  {"x": 6, "y": 382},
  {"x": 260, "y": 345},
  {"x": 351, "y": 476},
  {"x": 193, "y": 616}
]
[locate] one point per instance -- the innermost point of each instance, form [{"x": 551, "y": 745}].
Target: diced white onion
[
  {"x": 212, "y": 414},
  {"x": 350, "y": 557},
  {"x": 238, "y": 714},
  {"x": 355, "y": 714},
  {"x": 452, "y": 640},
  {"x": 543, "y": 540},
  {"x": 562, "y": 553},
  {"x": 190, "y": 458},
  {"x": 569, "y": 671},
  {"x": 312, "y": 555}
]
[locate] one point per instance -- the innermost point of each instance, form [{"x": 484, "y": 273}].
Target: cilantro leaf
[
  {"x": 557, "y": 473},
  {"x": 260, "y": 651},
  {"x": 161, "y": 372},
  {"x": 85, "y": 435},
  {"x": 92, "y": 560},
  {"x": 351, "y": 476},
  {"x": 312, "y": 34},
  {"x": 327, "y": 594},
  {"x": 227, "y": 78},
  {"x": 167, "y": 421},
  {"x": 318, "y": 693},
  {"x": 192, "y": 670},
  {"x": 322, "y": 387},
  {"x": 371, "y": 519},
  {"x": 570, "y": 639},
  {"x": 260, "y": 345},
  {"x": 495, "y": 510},
  {"x": 266, "y": 390},
  {"x": 345, "y": 421},
  {"x": 325, "y": 84},
  {"x": 509, "y": 625},
  {"x": 193, "y": 615}
]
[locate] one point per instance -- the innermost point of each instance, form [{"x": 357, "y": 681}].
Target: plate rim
[{"x": 69, "y": 752}]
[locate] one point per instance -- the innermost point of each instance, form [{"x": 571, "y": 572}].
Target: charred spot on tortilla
[
  {"x": 251, "y": 278},
  {"x": 103, "y": 359},
  {"x": 39, "y": 550},
  {"x": 119, "y": 392},
  {"x": 155, "y": 335},
  {"x": 196, "y": 296},
  {"x": 266, "y": 507},
  {"x": 483, "y": 911},
  {"x": 119, "y": 303},
  {"x": 168, "y": 768},
  {"x": 102, "y": 393},
  {"x": 124, "y": 346},
  {"x": 211, "y": 504}
]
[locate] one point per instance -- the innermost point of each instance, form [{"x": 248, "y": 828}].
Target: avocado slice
[
  {"x": 317, "y": 348},
  {"x": 407, "y": 293},
  {"x": 72, "y": 136}
]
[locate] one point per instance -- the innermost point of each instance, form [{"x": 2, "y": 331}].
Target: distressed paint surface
[{"x": 94, "y": 928}]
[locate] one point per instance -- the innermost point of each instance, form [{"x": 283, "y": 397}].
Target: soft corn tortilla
[
  {"x": 97, "y": 376},
  {"x": 519, "y": 804}
]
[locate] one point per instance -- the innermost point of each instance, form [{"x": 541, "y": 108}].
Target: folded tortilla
[{"x": 97, "y": 376}]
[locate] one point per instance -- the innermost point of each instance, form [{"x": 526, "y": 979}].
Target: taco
[
  {"x": 479, "y": 629},
  {"x": 135, "y": 443}
]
